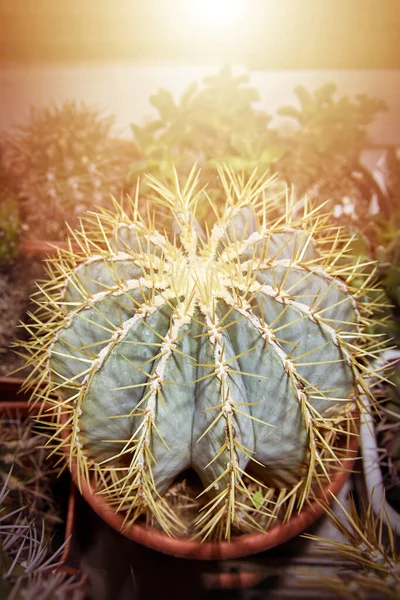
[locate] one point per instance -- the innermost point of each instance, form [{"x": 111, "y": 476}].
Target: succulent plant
[
  {"x": 213, "y": 122},
  {"x": 239, "y": 352},
  {"x": 65, "y": 161},
  {"x": 323, "y": 151},
  {"x": 216, "y": 123},
  {"x": 318, "y": 149}
]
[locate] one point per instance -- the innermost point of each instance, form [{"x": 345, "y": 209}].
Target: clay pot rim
[{"x": 239, "y": 546}]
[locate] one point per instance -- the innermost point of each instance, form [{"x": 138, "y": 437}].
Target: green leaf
[
  {"x": 257, "y": 498},
  {"x": 188, "y": 94}
]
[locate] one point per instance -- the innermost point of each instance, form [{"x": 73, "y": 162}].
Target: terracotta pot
[
  {"x": 10, "y": 390},
  {"x": 238, "y": 547},
  {"x": 232, "y": 581}
]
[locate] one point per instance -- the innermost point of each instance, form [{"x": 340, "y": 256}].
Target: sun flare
[{"x": 218, "y": 13}]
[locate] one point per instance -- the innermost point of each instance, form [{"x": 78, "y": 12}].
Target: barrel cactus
[
  {"x": 238, "y": 352},
  {"x": 64, "y": 161}
]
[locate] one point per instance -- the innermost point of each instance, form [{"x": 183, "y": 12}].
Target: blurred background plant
[
  {"x": 319, "y": 151},
  {"x": 323, "y": 153},
  {"x": 65, "y": 160},
  {"x": 388, "y": 228},
  {"x": 31, "y": 515},
  {"x": 214, "y": 124},
  {"x": 26, "y": 472},
  {"x": 9, "y": 231},
  {"x": 384, "y": 243},
  {"x": 9, "y": 213},
  {"x": 388, "y": 435},
  {"x": 28, "y": 570}
]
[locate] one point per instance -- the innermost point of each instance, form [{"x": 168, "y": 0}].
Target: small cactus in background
[
  {"x": 26, "y": 472},
  {"x": 9, "y": 212},
  {"x": 9, "y": 231},
  {"x": 27, "y": 570},
  {"x": 65, "y": 161},
  {"x": 239, "y": 352}
]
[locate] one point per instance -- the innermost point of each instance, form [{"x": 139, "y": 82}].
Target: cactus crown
[{"x": 239, "y": 352}]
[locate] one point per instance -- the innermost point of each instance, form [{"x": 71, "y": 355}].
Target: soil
[{"x": 16, "y": 286}]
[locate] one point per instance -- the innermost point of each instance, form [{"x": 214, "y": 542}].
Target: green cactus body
[{"x": 232, "y": 353}]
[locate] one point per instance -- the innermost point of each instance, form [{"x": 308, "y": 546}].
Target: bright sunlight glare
[{"x": 218, "y": 13}]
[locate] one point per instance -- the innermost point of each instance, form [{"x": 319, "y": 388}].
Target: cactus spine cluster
[
  {"x": 24, "y": 465},
  {"x": 239, "y": 352}
]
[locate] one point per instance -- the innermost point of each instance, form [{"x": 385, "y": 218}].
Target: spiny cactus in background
[
  {"x": 65, "y": 161},
  {"x": 366, "y": 564},
  {"x": 9, "y": 212},
  {"x": 240, "y": 352},
  {"x": 9, "y": 230},
  {"x": 26, "y": 472},
  {"x": 27, "y": 572}
]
